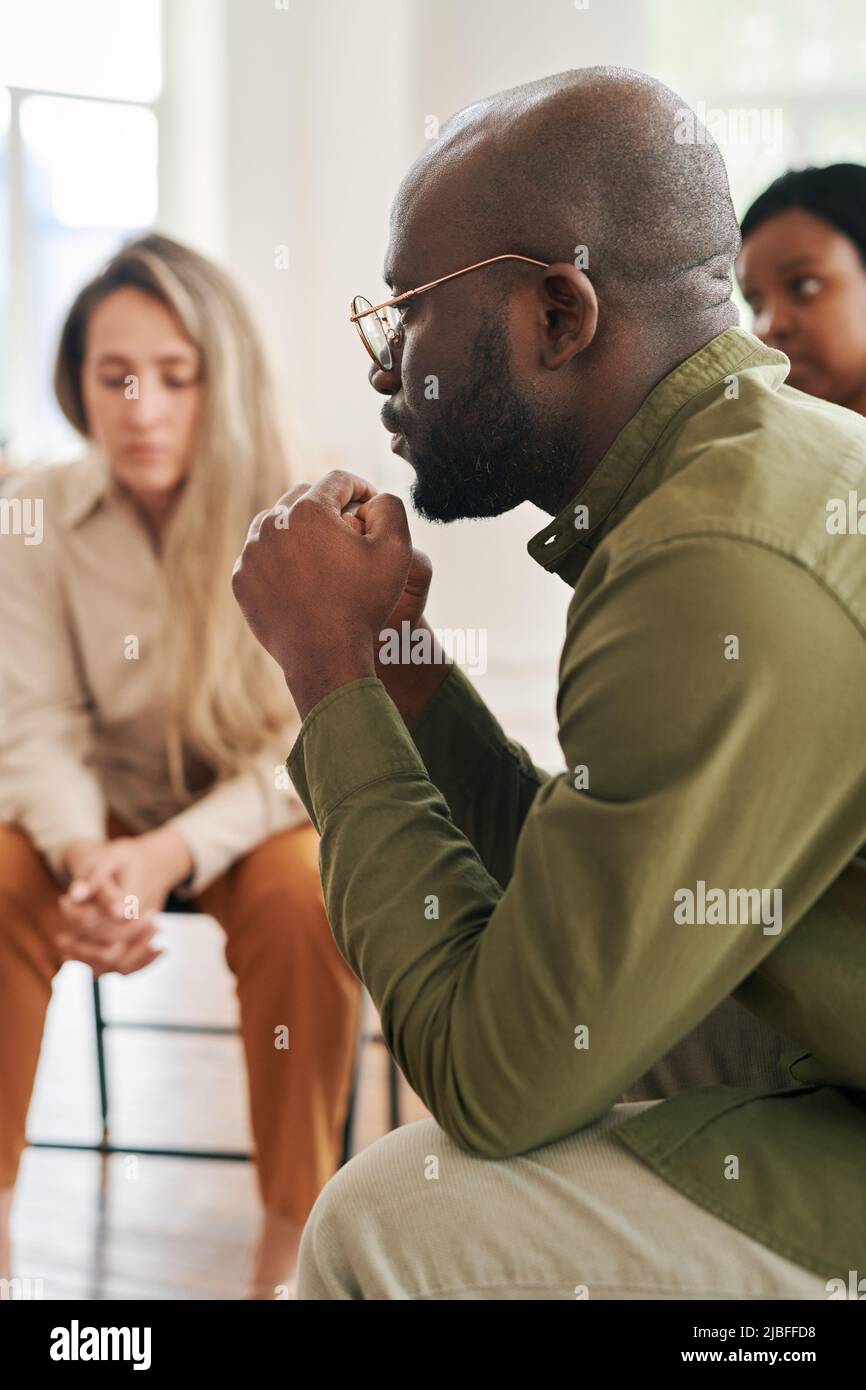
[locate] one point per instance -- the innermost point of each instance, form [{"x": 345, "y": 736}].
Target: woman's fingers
[
  {"x": 106, "y": 893},
  {"x": 86, "y": 916},
  {"x": 99, "y": 887},
  {"x": 85, "y": 921},
  {"x": 136, "y": 955},
  {"x": 137, "y": 960},
  {"x": 89, "y": 923},
  {"x": 104, "y": 945},
  {"x": 98, "y": 957}
]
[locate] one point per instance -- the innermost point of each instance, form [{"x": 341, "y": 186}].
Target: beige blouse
[{"x": 81, "y": 724}]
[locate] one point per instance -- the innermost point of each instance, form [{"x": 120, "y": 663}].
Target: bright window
[
  {"x": 787, "y": 76},
  {"x": 95, "y": 48},
  {"x": 78, "y": 176}
]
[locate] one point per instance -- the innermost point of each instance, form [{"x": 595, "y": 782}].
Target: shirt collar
[
  {"x": 626, "y": 473},
  {"x": 90, "y": 484}
]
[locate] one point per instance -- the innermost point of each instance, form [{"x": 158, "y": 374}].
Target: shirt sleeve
[
  {"x": 236, "y": 815},
  {"x": 46, "y": 715},
  {"x": 521, "y": 1015},
  {"x": 488, "y": 780}
]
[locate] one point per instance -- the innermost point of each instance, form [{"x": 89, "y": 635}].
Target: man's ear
[{"x": 569, "y": 307}]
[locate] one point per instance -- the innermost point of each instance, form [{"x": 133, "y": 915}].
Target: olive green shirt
[{"x": 534, "y": 944}]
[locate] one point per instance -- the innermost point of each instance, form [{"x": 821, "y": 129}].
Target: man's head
[{"x": 509, "y": 378}]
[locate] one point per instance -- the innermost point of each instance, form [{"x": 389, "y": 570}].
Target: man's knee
[
  {"x": 376, "y": 1177},
  {"x": 348, "y": 1225}
]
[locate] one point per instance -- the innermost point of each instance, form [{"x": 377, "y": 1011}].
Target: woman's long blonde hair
[{"x": 226, "y": 698}]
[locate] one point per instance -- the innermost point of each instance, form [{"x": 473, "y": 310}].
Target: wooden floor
[{"x": 131, "y": 1225}]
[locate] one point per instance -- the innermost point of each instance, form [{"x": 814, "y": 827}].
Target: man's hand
[
  {"x": 316, "y": 590},
  {"x": 116, "y": 890},
  {"x": 411, "y": 686}
]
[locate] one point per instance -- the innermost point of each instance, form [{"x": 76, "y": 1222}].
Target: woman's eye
[
  {"x": 807, "y": 286},
  {"x": 173, "y": 382}
]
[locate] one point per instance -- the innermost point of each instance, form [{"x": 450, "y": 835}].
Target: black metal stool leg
[
  {"x": 105, "y": 1147},
  {"x": 394, "y": 1092},
  {"x": 349, "y": 1126},
  {"x": 99, "y": 1023}
]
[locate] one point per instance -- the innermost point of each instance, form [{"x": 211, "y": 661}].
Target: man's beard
[{"x": 490, "y": 449}]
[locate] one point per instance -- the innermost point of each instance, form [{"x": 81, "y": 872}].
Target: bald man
[{"x": 682, "y": 912}]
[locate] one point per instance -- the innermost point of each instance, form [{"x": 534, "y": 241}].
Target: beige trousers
[{"x": 414, "y": 1216}]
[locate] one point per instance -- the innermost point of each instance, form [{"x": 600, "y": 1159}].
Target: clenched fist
[{"x": 316, "y": 591}]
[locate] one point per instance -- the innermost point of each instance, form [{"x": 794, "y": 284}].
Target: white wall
[
  {"x": 323, "y": 108},
  {"x": 192, "y": 112}
]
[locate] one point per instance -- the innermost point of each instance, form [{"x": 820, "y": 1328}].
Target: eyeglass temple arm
[{"x": 431, "y": 284}]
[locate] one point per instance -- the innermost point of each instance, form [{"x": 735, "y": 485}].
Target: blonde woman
[{"x": 143, "y": 730}]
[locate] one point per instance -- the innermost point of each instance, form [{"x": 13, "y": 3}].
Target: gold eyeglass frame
[{"x": 394, "y": 331}]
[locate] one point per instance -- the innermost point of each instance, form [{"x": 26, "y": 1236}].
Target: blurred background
[{"x": 274, "y": 133}]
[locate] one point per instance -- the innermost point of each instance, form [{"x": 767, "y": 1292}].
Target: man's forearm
[
  {"x": 488, "y": 781},
  {"x": 410, "y": 685},
  {"x": 413, "y": 686},
  {"x": 321, "y": 676}
]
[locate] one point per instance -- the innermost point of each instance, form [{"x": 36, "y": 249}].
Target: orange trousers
[{"x": 289, "y": 973}]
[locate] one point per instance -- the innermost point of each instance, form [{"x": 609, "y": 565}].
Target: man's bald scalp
[{"x": 590, "y": 158}]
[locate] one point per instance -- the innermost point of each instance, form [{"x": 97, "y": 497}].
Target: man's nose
[{"x": 385, "y": 380}]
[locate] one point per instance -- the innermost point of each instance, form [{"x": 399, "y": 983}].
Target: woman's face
[
  {"x": 806, "y": 284},
  {"x": 142, "y": 386}
]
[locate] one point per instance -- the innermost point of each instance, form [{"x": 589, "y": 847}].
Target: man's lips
[{"x": 398, "y": 438}]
